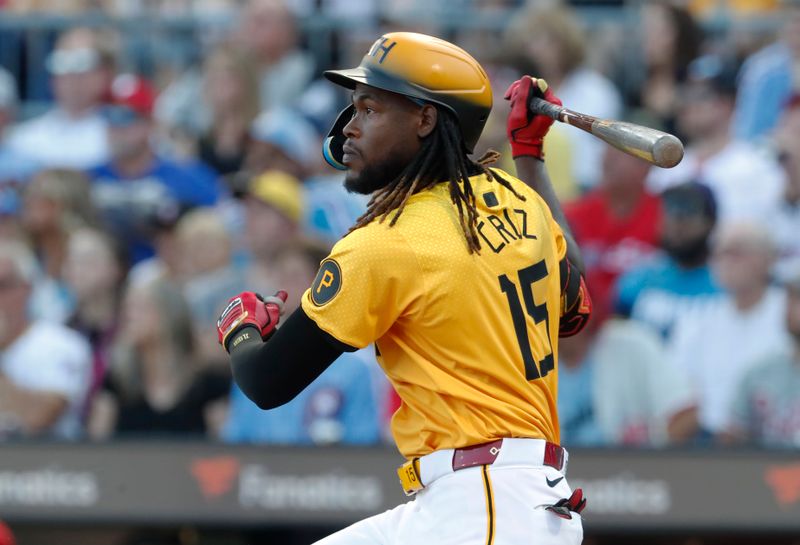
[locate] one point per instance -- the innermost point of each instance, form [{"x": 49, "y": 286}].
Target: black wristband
[{"x": 246, "y": 336}]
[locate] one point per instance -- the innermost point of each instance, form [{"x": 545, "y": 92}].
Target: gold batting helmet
[{"x": 422, "y": 68}]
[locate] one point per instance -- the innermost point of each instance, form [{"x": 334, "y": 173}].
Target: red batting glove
[
  {"x": 525, "y": 129},
  {"x": 249, "y": 309}
]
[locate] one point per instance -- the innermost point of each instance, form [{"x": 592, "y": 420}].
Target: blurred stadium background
[{"x": 158, "y": 156}]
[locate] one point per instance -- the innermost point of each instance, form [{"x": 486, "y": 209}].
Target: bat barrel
[
  {"x": 656, "y": 147},
  {"x": 667, "y": 151}
]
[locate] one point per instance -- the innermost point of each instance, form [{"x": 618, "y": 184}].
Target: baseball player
[{"x": 464, "y": 277}]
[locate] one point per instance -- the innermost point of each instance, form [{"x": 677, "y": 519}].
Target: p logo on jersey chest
[{"x": 327, "y": 283}]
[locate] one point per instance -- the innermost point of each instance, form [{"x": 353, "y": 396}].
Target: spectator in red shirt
[{"x": 616, "y": 225}]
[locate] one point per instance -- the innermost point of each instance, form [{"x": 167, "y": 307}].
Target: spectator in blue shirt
[
  {"x": 577, "y": 406},
  {"x": 138, "y": 186},
  {"x": 765, "y": 80},
  {"x": 15, "y": 169},
  {"x": 674, "y": 284}
]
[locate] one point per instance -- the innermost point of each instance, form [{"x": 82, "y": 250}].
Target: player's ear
[{"x": 427, "y": 121}]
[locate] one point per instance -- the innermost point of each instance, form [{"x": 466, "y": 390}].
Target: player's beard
[{"x": 375, "y": 177}]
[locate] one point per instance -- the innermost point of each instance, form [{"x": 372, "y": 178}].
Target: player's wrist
[
  {"x": 244, "y": 336},
  {"x": 537, "y": 158},
  {"x": 519, "y": 149},
  {"x": 249, "y": 309}
]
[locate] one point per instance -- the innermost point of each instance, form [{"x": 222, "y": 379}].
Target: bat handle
[{"x": 540, "y": 106}]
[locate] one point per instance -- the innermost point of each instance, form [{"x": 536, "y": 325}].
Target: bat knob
[{"x": 667, "y": 151}]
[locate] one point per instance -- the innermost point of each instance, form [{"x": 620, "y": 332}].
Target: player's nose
[{"x": 352, "y": 129}]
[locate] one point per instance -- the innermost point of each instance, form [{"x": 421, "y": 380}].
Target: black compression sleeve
[{"x": 273, "y": 373}]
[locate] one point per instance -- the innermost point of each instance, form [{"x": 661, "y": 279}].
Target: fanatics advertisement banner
[{"x": 206, "y": 483}]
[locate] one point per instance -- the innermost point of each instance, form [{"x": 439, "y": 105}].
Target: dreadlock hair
[{"x": 441, "y": 159}]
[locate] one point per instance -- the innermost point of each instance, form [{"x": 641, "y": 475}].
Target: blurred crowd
[{"x": 142, "y": 197}]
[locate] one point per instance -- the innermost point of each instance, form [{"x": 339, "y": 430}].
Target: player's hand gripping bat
[{"x": 656, "y": 147}]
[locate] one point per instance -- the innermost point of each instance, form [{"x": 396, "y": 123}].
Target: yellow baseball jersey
[{"x": 469, "y": 341}]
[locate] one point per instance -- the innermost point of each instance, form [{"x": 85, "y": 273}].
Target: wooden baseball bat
[{"x": 659, "y": 148}]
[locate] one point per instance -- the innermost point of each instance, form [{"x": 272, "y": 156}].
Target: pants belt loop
[{"x": 553, "y": 455}]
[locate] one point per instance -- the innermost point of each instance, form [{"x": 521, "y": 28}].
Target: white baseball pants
[{"x": 498, "y": 504}]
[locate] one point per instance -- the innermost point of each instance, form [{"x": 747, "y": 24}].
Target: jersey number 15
[{"x": 527, "y": 277}]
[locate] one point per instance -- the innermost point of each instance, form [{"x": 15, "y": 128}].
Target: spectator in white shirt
[
  {"x": 767, "y": 406},
  {"x": 44, "y": 367},
  {"x": 786, "y": 223},
  {"x": 550, "y": 38},
  {"x": 747, "y": 182},
  {"x": 718, "y": 346},
  {"x": 15, "y": 169},
  {"x": 73, "y": 133},
  {"x": 654, "y": 404}
]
